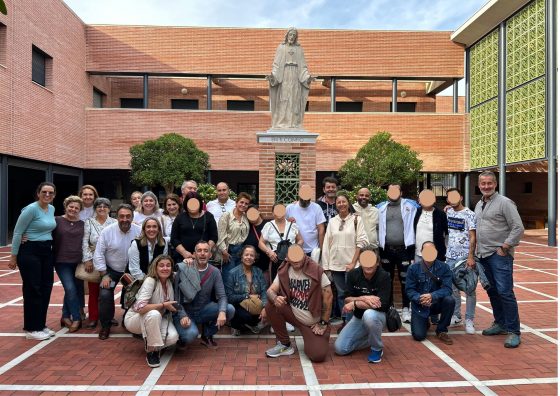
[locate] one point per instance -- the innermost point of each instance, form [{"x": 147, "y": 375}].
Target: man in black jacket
[
  {"x": 430, "y": 224},
  {"x": 368, "y": 291}
]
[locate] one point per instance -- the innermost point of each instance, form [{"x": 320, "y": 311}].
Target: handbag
[
  {"x": 393, "y": 320},
  {"x": 131, "y": 287},
  {"x": 253, "y": 305},
  {"x": 81, "y": 273}
]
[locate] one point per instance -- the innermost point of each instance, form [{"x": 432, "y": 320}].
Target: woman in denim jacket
[{"x": 246, "y": 282}]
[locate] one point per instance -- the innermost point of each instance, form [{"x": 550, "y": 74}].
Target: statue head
[{"x": 291, "y": 36}]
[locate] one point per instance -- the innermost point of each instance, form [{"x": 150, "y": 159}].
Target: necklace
[{"x": 193, "y": 223}]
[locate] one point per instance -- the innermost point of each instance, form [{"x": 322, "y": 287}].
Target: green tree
[
  {"x": 167, "y": 161},
  {"x": 379, "y": 162},
  {"x": 3, "y": 9}
]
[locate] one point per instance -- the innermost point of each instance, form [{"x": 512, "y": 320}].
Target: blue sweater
[{"x": 35, "y": 223}]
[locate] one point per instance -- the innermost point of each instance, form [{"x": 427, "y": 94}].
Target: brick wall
[
  {"x": 230, "y": 137},
  {"x": 251, "y": 51},
  {"x": 41, "y": 123}
]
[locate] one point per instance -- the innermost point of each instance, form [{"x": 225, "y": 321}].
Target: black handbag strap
[
  {"x": 430, "y": 274},
  {"x": 280, "y": 235}
]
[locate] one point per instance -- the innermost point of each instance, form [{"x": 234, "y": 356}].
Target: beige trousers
[{"x": 153, "y": 328}]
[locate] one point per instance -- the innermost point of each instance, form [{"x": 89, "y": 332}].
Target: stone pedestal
[{"x": 275, "y": 142}]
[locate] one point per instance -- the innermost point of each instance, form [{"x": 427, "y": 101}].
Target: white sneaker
[
  {"x": 469, "y": 326},
  {"x": 50, "y": 332},
  {"x": 455, "y": 321},
  {"x": 405, "y": 315},
  {"x": 37, "y": 335},
  {"x": 289, "y": 327}
]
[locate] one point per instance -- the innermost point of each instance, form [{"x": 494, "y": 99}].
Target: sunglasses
[
  {"x": 47, "y": 192},
  {"x": 342, "y": 223}
]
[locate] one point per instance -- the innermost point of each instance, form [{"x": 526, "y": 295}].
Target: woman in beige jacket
[{"x": 344, "y": 238}]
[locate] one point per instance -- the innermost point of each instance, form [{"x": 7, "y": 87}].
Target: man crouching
[{"x": 301, "y": 295}]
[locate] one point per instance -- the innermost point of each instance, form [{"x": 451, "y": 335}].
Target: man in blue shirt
[{"x": 428, "y": 286}]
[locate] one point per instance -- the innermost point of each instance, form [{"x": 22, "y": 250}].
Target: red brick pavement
[{"x": 71, "y": 364}]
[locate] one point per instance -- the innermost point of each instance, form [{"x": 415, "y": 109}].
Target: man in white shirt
[
  {"x": 222, "y": 204},
  {"x": 369, "y": 215},
  {"x": 309, "y": 218},
  {"x": 110, "y": 259}
]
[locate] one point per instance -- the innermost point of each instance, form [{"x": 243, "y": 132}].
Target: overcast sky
[
  {"x": 303, "y": 14},
  {"x": 318, "y": 14}
]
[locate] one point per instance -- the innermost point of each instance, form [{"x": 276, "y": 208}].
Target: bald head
[
  {"x": 222, "y": 190},
  {"x": 363, "y": 197}
]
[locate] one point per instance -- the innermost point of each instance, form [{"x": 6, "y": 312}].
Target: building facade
[
  {"x": 511, "y": 99},
  {"x": 75, "y": 97}
]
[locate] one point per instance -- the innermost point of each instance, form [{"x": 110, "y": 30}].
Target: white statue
[{"x": 289, "y": 84}]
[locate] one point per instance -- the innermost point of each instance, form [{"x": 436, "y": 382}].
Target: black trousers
[
  {"x": 242, "y": 317},
  {"x": 401, "y": 258},
  {"x": 107, "y": 299},
  {"x": 36, "y": 267}
]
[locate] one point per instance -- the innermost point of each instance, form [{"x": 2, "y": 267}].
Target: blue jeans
[
  {"x": 339, "y": 280},
  {"x": 73, "y": 290},
  {"x": 419, "y": 324},
  {"x": 206, "y": 317},
  {"x": 499, "y": 271},
  {"x": 234, "y": 260},
  {"x": 471, "y": 298},
  {"x": 361, "y": 333}
]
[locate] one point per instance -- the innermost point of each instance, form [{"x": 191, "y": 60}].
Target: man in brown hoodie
[{"x": 301, "y": 295}]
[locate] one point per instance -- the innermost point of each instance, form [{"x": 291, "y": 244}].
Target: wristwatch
[{"x": 323, "y": 323}]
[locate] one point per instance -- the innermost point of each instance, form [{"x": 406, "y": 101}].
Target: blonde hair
[
  {"x": 71, "y": 199},
  {"x": 144, "y": 239}
]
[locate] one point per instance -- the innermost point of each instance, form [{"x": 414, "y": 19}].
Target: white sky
[{"x": 303, "y": 14}]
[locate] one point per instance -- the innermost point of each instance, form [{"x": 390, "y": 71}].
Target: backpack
[{"x": 283, "y": 245}]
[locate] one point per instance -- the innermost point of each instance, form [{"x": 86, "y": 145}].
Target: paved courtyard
[{"x": 81, "y": 364}]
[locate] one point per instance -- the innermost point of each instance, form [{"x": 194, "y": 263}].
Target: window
[
  {"x": 286, "y": 178},
  {"x": 41, "y": 67},
  {"x": 349, "y": 107},
  {"x": 98, "y": 98},
  {"x": 528, "y": 188},
  {"x": 3, "y": 43},
  {"x": 184, "y": 104},
  {"x": 404, "y": 107},
  {"x": 132, "y": 103},
  {"x": 241, "y": 105}
]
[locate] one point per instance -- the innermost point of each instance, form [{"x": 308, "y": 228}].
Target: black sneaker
[
  {"x": 153, "y": 359},
  {"x": 208, "y": 342},
  {"x": 181, "y": 344}
]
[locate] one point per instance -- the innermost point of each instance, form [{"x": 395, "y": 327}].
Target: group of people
[{"x": 207, "y": 264}]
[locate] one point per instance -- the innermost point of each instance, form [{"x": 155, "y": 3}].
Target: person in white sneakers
[
  {"x": 460, "y": 247},
  {"x": 300, "y": 294},
  {"x": 397, "y": 239}
]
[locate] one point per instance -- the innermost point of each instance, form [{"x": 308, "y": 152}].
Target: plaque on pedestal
[{"x": 287, "y": 137}]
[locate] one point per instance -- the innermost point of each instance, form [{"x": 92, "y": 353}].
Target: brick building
[{"x": 74, "y": 98}]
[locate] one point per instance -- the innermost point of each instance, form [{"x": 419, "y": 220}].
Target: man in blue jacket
[{"x": 428, "y": 286}]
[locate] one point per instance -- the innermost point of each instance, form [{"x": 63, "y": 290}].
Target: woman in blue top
[{"x": 35, "y": 260}]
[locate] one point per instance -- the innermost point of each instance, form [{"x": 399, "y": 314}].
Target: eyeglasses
[
  {"x": 342, "y": 222},
  {"x": 47, "y": 192},
  {"x": 102, "y": 206}
]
